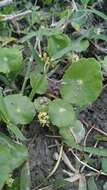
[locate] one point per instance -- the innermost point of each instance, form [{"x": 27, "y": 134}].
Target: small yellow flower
[
  {"x": 75, "y": 57},
  {"x": 9, "y": 181},
  {"x": 46, "y": 57},
  {"x": 43, "y": 118}
]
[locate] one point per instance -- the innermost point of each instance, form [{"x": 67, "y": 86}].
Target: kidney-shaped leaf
[
  {"x": 57, "y": 43},
  {"x": 10, "y": 60},
  {"x": 20, "y": 109},
  {"x": 82, "y": 82},
  {"x": 61, "y": 113}
]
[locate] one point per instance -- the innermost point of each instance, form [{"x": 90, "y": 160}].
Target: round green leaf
[
  {"x": 82, "y": 82},
  {"x": 20, "y": 109},
  {"x": 61, "y": 113},
  {"x": 10, "y": 60}
]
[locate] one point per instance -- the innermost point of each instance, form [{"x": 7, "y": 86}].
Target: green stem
[
  {"x": 28, "y": 68},
  {"x": 32, "y": 94},
  {"x": 27, "y": 75}
]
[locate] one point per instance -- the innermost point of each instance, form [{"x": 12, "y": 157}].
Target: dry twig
[{"x": 15, "y": 16}]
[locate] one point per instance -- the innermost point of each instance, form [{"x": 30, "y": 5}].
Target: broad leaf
[
  {"x": 18, "y": 151},
  {"x": 61, "y": 113},
  {"x": 10, "y": 60},
  {"x": 6, "y": 118},
  {"x": 82, "y": 82},
  {"x": 20, "y": 109},
  {"x": 12, "y": 155}
]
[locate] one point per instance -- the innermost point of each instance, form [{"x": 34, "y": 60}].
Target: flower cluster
[{"x": 43, "y": 118}]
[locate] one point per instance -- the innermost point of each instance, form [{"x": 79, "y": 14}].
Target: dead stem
[
  {"x": 88, "y": 135},
  {"x": 95, "y": 128},
  {"x": 57, "y": 163},
  {"x": 88, "y": 166}
]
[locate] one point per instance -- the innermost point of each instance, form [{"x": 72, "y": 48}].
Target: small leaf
[
  {"x": 61, "y": 113},
  {"x": 41, "y": 104},
  {"x": 39, "y": 83},
  {"x": 57, "y": 43},
  {"x": 91, "y": 184},
  {"x": 104, "y": 164},
  {"x": 82, "y": 82},
  {"x": 20, "y": 109}
]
